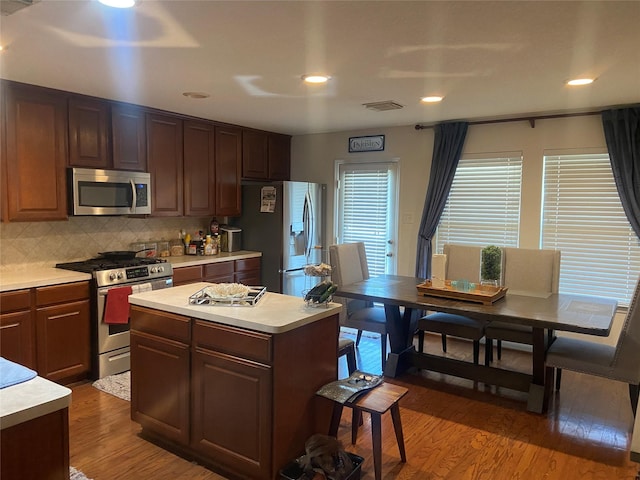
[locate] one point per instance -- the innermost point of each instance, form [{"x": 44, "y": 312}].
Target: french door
[{"x": 367, "y": 211}]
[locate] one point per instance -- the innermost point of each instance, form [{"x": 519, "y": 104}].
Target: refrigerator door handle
[
  {"x": 307, "y": 218},
  {"x": 291, "y": 270}
]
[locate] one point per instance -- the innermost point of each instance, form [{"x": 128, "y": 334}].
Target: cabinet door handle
[{"x": 62, "y": 315}]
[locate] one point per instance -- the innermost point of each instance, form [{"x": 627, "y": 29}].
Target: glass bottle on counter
[
  {"x": 208, "y": 246},
  {"x": 215, "y": 242}
]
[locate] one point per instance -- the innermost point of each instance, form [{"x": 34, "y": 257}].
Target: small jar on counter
[
  {"x": 163, "y": 249},
  {"x": 176, "y": 247}
]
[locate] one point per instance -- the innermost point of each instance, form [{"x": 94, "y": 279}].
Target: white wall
[{"x": 313, "y": 159}]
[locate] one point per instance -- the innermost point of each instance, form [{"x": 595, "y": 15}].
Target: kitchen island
[
  {"x": 232, "y": 387},
  {"x": 34, "y": 424}
]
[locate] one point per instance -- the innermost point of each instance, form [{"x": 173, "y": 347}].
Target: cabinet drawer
[
  {"x": 234, "y": 341},
  {"x": 248, "y": 264},
  {"x": 68, "y": 292},
  {"x": 163, "y": 324},
  {"x": 248, "y": 278},
  {"x": 220, "y": 269},
  {"x": 16, "y": 300},
  {"x": 184, "y": 275}
]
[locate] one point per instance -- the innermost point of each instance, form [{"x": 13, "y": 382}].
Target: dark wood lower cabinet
[
  {"x": 47, "y": 329},
  {"x": 17, "y": 329},
  {"x": 246, "y": 271},
  {"x": 160, "y": 393},
  {"x": 241, "y": 402},
  {"x": 231, "y": 412},
  {"x": 37, "y": 449},
  {"x": 62, "y": 341}
]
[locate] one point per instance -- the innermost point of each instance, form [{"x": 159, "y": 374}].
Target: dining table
[{"x": 404, "y": 303}]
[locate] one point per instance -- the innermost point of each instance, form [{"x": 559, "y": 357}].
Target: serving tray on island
[
  {"x": 485, "y": 294},
  {"x": 254, "y": 294}
]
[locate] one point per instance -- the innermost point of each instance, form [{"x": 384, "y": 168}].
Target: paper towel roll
[{"x": 438, "y": 268}]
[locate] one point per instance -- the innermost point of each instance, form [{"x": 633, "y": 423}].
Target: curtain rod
[{"x": 531, "y": 119}]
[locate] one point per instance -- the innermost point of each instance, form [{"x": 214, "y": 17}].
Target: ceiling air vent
[
  {"x": 383, "y": 106},
  {"x": 7, "y": 7}
]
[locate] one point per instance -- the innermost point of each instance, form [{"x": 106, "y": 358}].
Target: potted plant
[{"x": 491, "y": 265}]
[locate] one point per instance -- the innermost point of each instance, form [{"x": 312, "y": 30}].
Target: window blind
[
  {"x": 366, "y": 202},
  {"x": 483, "y": 207},
  {"x": 584, "y": 219}
]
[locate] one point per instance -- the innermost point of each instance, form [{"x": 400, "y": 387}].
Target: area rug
[
  {"x": 75, "y": 474},
  {"x": 118, "y": 385}
]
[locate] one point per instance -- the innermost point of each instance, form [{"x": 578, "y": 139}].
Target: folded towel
[
  {"x": 116, "y": 310},
  {"x": 13, "y": 373},
  {"x": 142, "y": 287}
]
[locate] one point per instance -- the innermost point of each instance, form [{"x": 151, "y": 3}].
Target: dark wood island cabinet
[{"x": 239, "y": 400}]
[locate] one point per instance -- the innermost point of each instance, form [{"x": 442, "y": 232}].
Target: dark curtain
[
  {"x": 622, "y": 132},
  {"x": 447, "y": 149}
]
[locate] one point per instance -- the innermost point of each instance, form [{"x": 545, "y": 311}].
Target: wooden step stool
[{"x": 376, "y": 402}]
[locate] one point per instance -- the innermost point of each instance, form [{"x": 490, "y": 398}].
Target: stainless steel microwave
[{"x": 109, "y": 192}]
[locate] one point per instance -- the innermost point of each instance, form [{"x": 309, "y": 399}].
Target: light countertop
[
  {"x": 17, "y": 279},
  {"x": 31, "y": 399},
  {"x": 38, "y": 277},
  {"x": 274, "y": 313},
  {"x": 190, "y": 260}
]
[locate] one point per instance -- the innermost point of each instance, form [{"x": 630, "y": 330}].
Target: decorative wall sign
[{"x": 370, "y": 143}]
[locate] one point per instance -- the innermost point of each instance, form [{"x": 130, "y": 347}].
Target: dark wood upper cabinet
[
  {"x": 279, "y": 157},
  {"x": 34, "y": 153},
  {"x": 254, "y": 155},
  {"x": 165, "y": 162},
  {"x": 199, "y": 168},
  {"x": 228, "y": 170},
  {"x": 89, "y": 133},
  {"x": 265, "y": 156},
  {"x": 128, "y": 140}
]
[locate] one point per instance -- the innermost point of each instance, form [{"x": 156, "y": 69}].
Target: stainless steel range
[{"x": 110, "y": 342}]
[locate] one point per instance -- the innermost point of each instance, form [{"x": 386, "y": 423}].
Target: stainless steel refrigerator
[{"x": 286, "y": 222}]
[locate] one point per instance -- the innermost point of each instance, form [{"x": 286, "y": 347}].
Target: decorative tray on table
[
  {"x": 228, "y": 294},
  {"x": 485, "y": 294}
]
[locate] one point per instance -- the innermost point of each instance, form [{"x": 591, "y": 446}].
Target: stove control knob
[
  {"x": 154, "y": 269},
  {"x": 160, "y": 269},
  {"x": 116, "y": 276}
]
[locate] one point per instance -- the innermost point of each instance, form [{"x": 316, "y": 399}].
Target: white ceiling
[{"x": 488, "y": 59}]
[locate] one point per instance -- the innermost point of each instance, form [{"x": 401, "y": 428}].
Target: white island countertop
[
  {"x": 31, "y": 399},
  {"x": 274, "y": 313}
]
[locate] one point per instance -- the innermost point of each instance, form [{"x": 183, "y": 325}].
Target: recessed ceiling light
[
  {"x": 118, "y": 3},
  {"x": 580, "y": 81},
  {"x": 316, "y": 78},
  {"x": 431, "y": 99},
  {"x": 196, "y": 95}
]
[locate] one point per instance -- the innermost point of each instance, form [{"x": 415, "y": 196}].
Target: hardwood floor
[{"x": 453, "y": 430}]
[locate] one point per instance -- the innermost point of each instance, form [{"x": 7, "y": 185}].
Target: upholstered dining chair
[
  {"x": 621, "y": 363},
  {"x": 349, "y": 265},
  {"x": 527, "y": 271},
  {"x": 346, "y": 346},
  {"x": 463, "y": 262}
]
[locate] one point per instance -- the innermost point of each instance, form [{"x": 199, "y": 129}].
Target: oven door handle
[{"x": 103, "y": 291}]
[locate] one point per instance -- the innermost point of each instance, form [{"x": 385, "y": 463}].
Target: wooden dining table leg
[
  {"x": 400, "y": 327},
  {"x": 538, "y": 400}
]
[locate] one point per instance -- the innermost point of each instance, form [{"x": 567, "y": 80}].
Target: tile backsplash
[{"x": 43, "y": 244}]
